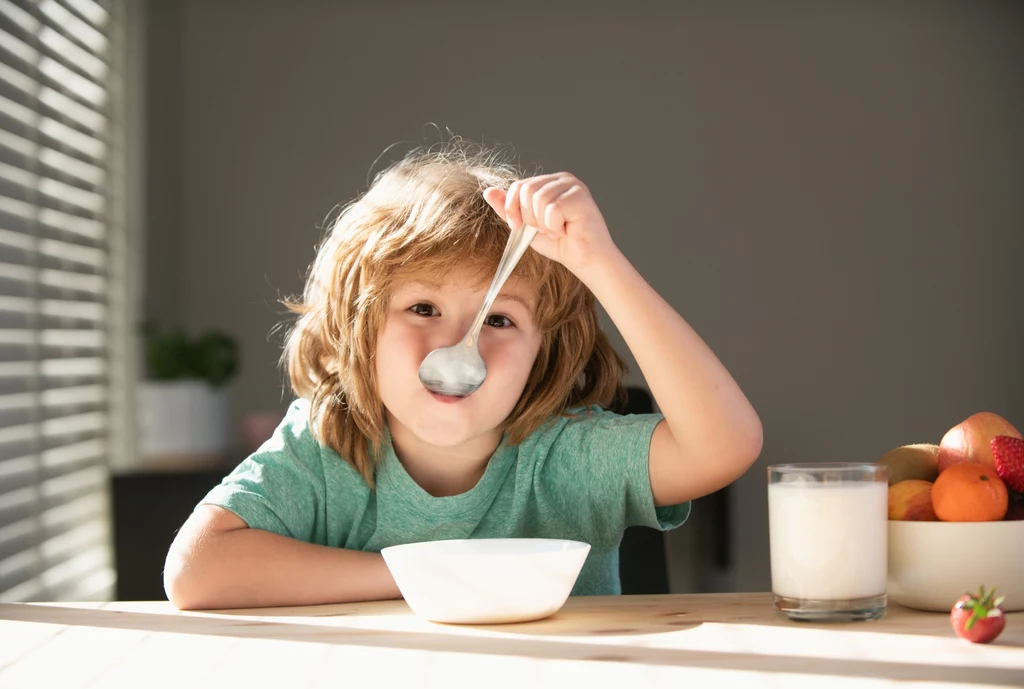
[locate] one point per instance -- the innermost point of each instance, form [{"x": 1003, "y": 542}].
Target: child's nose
[{"x": 453, "y": 331}]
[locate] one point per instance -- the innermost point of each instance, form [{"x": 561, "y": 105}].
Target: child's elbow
[
  {"x": 745, "y": 447},
  {"x": 754, "y": 442},
  {"x": 189, "y": 582},
  {"x": 179, "y": 587}
]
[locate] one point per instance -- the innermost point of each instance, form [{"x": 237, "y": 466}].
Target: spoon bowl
[
  {"x": 459, "y": 370},
  {"x": 454, "y": 371}
]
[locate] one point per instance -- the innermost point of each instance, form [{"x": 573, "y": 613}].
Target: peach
[
  {"x": 911, "y": 501},
  {"x": 968, "y": 441}
]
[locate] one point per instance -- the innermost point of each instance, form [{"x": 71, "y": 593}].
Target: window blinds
[{"x": 62, "y": 306}]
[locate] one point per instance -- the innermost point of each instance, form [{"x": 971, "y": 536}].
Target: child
[{"x": 367, "y": 457}]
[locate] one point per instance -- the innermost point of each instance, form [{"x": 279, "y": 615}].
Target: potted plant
[{"x": 183, "y": 406}]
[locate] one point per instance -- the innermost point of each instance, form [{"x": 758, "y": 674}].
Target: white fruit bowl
[
  {"x": 932, "y": 564},
  {"x": 486, "y": 581}
]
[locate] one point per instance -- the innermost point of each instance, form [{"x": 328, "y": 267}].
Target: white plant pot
[{"x": 182, "y": 421}]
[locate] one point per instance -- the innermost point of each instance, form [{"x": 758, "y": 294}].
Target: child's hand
[{"x": 570, "y": 227}]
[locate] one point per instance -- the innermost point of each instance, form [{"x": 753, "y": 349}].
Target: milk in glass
[{"x": 828, "y": 542}]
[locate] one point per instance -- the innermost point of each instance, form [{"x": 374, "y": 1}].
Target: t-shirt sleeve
[
  {"x": 280, "y": 487},
  {"x": 596, "y": 474}
]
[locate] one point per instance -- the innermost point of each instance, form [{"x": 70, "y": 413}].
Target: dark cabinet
[{"x": 148, "y": 509}]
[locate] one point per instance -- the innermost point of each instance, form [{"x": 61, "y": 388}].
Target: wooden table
[{"x": 633, "y": 642}]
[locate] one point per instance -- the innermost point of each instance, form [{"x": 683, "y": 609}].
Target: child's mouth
[{"x": 447, "y": 399}]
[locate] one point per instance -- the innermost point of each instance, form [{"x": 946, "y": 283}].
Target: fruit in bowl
[
  {"x": 1008, "y": 460},
  {"x": 971, "y": 439},
  {"x": 486, "y": 580},
  {"x": 975, "y": 525},
  {"x": 919, "y": 462},
  {"x": 911, "y": 500},
  {"x": 970, "y": 492}
]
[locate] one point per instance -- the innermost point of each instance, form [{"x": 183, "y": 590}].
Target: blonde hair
[{"x": 420, "y": 217}]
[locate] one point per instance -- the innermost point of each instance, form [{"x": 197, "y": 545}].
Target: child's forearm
[
  {"x": 249, "y": 568},
  {"x": 710, "y": 418}
]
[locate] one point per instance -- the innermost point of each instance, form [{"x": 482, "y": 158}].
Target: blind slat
[
  {"x": 68, "y": 339},
  {"x": 85, "y": 227},
  {"x": 15, "y": 304},
  {"x": 61, "y": 279},
  {"x": 17, "y": 467},
  {"x": 19, "y": 400},
  {"x": 74, "y": 454},
  {"x": 79, "y": 310},
  {"x": 71, "y": 366},
  {"x": 74, "y": 424},
  {"x": 54, "y": 248},
  {"x": 86, "y": 311}
]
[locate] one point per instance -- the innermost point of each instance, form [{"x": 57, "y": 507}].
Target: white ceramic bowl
[
  {"x": 932, "y": 564},
  {"x": 486, "y": 581}
]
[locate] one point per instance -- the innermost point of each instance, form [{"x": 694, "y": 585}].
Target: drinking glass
[{"x": 828, "y": 533}]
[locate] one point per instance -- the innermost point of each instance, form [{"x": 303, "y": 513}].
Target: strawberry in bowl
[
  {"x": 1008, "y": 458},
  {"x": 978, "y": 618}
]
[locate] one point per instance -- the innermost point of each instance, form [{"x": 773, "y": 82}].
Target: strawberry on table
[
  {"x": 978, "y": 618},
  {"x": 1008, "y": 456}
]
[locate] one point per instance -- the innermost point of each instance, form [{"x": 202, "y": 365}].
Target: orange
[{"x": 969, "y": 493}]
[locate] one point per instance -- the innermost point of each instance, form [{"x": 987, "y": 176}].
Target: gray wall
[{"x": 832, "y": 197}]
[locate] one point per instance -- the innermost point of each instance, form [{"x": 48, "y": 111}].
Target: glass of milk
[{"x": 827, "y": 525}]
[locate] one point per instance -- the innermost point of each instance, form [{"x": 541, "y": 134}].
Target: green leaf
[
  {"x": 216, "y": 357},
  {"x": 173, "y": 355}
]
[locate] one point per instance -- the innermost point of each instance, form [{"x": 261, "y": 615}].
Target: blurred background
[{"x": 830, "y": 194}]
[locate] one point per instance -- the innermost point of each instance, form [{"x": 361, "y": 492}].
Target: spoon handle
[{"x": 518, "y": 241}]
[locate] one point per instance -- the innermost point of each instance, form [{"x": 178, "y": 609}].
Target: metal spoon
[{"x": 459, "y": 370}]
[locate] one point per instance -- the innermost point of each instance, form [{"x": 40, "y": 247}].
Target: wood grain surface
[{"x": 632, "y": 642}]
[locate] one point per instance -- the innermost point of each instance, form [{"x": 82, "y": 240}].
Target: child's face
[{"x": 422, "y": 318}]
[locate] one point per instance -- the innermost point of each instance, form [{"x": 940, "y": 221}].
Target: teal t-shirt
[{"x": 584, "y": 478}]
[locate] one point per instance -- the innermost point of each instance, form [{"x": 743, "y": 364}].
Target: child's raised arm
[
  {"x": 711, "y": 433},
  {"x": 217, "y": 561}
]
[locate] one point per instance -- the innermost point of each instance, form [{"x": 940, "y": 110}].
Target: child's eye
[
  {"x": 496, "y": 321},
  {"x": 425, "y": 310}
]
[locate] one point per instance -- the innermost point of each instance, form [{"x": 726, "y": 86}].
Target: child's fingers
[
  {"x": 528, "y": 191},
  {"x": 495, "y": 198},
  {"x": 536, "y": 201},
  {"x": 513, "y": 215},
  {"x": 547, "y": 207}
]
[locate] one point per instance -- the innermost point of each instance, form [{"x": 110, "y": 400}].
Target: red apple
[{"x": 970, "y": 440}]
